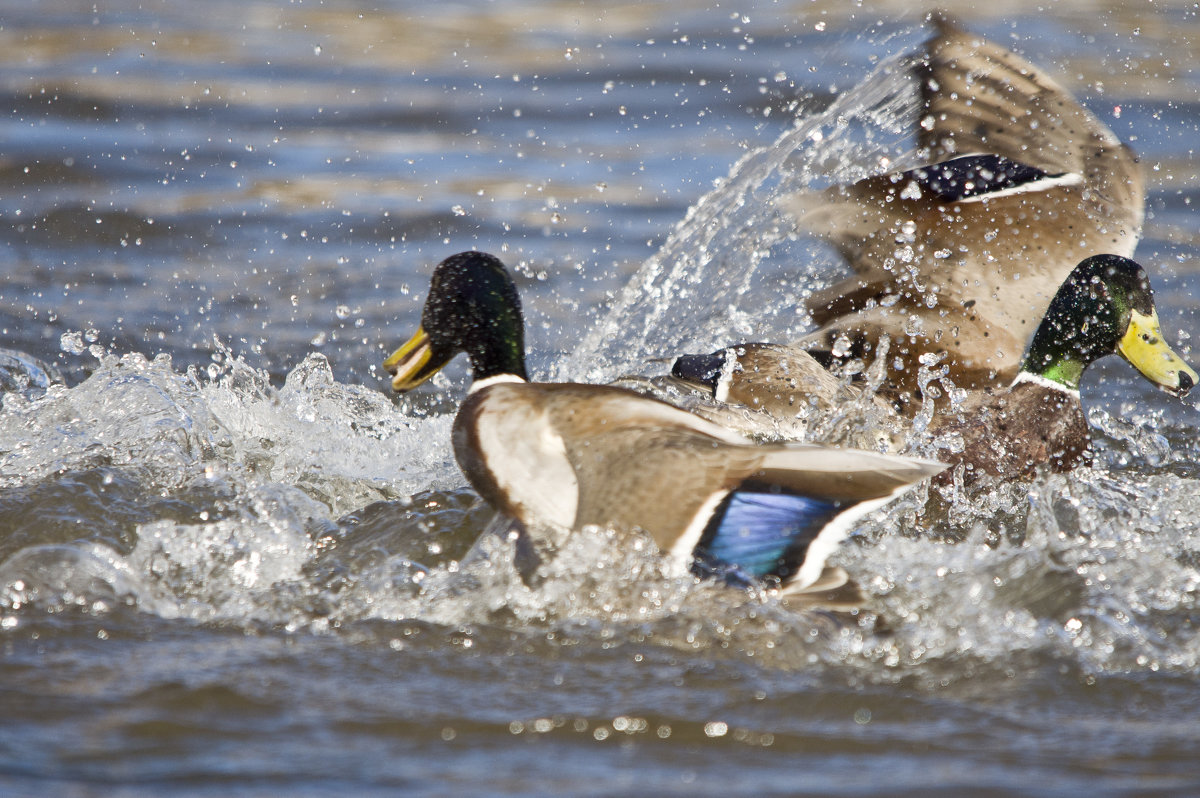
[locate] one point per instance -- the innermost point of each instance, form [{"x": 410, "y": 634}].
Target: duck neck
[
  {"x": 1063, "y": 372},
  {"x": 1057, "y": 386},
  {"x": 498, "y": 379},
  {"x": 1065, "y": 344},
  {"x": 501, "y": 352}
]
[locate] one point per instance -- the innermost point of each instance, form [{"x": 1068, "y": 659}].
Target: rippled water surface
[{"x": 232, "y": 563}]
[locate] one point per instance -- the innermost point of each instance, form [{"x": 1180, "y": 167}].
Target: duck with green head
[
  {"x": 958, "y": 256},
  {"x": 1106, "y": 306},
  {"x": 569, "y": 455}
]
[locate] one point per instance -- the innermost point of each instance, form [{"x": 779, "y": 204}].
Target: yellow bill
[
  {"x": 412, "y": 363},
  {"x": 1144, "y": 347}
]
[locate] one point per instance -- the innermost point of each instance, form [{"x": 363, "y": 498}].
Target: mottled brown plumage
[
  {"x": 944, "y": 265},
  {"x": 623, "y": 459},
  {"x": 778, "y": 378},
  {"x": 780, "y": 391},
  {"x": 1011, "y": 432}
]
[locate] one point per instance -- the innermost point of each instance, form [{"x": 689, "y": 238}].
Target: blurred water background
[{"x": 229, "y": 559}]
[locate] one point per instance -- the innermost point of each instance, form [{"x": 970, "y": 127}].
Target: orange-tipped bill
[
  {"x": 1143, "y": 346},
  {"x": 413, "y": 363}
]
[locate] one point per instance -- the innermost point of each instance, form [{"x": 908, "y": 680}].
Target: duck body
[
  {"x": 569, "y": 455},
  {"x": 572, "y": 455},
  {"x": 959, "y": 257},
  {"x": 781, "y": 392},
  {"x": 776, "y": 378},
  {"x": 1006, "y": 257},
  {"x": 962, "y": 256},
  {"x": 1012, "y": 432}
]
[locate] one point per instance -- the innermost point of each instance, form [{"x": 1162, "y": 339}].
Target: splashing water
[
  {"x": 242, "y": 491},
  {"x": 692, "y": 295}
]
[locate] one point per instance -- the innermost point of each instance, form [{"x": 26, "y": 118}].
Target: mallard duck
[
  {"x": 778, "y": 378},
  {"x": 779, "y": 392},
  {"x": 962, "y": 256},
  {"x": 1105, "y": 306},
  {"x": 569, "y": 455}
]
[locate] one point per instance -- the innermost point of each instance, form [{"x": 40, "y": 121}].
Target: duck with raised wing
[
  {"x": 962, "y": 256},
  {"x": 568, "y": 455}
]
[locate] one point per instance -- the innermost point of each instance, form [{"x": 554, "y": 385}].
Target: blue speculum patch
[
  {"x": 974, "y": 175},
  {"x": 764, "y": 533}
]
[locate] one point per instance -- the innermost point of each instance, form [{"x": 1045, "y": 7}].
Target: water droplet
[
  {"x": 71, "y": 343},
  {"x": 716, "y": 728}
]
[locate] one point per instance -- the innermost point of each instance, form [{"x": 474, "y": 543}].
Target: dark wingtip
[{"x": 699, "y": 369}]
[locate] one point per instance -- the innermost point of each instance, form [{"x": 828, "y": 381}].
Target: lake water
[{"x": 217, "y": 218}]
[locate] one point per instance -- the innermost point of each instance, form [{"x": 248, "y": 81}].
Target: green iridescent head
[
  {"x": 473, "y": 307},
  {"x": 1105, "y": 306}
]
